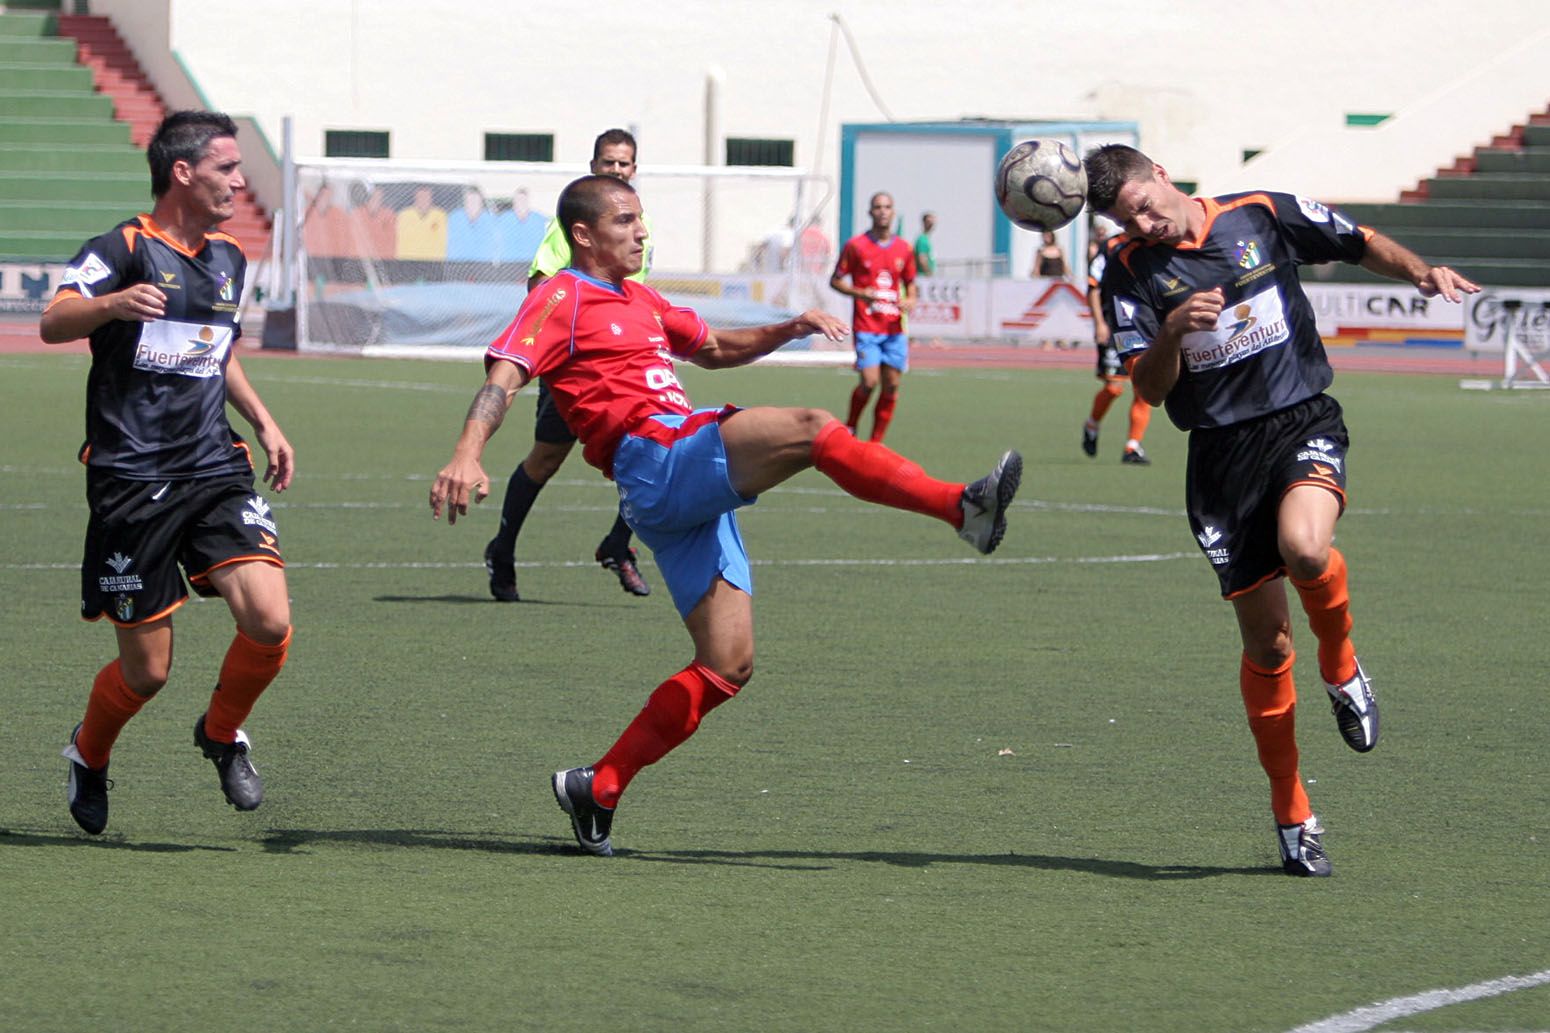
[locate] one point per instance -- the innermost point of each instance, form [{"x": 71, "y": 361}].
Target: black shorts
[
  {"x": 1237, "y": 475},
  {"x": 1109, "y": 366},
  {"x": 141, "y": 532},
  {"x": 549, "y": 426}
]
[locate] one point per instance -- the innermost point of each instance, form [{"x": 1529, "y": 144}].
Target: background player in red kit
[
  {"x": 169, "y": 484},
  {"x": 605, "y": 346},
  {"x": 880, "y": 268},
  {"x": 1206, "y": 299}
]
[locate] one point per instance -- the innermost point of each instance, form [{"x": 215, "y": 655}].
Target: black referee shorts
[
  {"x": 1236, "y": 477},
  {"x": 549, "y": 426}
]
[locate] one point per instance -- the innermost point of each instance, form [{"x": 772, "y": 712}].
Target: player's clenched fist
[{"x": 1199, "y": 311}]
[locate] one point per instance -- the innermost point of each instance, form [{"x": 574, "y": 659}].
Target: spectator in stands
[
  {"x": 472, "y": 235},
  {"x": 422, "y": 229},
  {"x": 1049, "y": 262},
  {"x": 521, "y": 229},
  {"x": 925, "y": 260}
]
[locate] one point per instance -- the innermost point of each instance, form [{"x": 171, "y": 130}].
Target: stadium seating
[
  {"x": 1487, "y": 215},
  {"x": 75, "y": 113}
]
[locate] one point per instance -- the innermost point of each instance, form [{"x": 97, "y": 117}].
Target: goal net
[{"x": 396, "y": 258}]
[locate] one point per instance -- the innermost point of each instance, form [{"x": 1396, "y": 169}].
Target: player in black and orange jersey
[
  {"x": 1206, "y": 299},
  {"x": 169, "y": 484},
  {"x": 1110, "y": 370}
]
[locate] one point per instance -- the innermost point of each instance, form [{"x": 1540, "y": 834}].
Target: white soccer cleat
[
  {"x": 1356, "y": 710},
  {"x": 985, "y": 502}
]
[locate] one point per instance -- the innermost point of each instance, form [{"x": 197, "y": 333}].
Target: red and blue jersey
[
  {"x": 606, "y": 353},
  {"x": 883, "y": 268}
]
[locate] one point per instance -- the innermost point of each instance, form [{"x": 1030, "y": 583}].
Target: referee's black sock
[{"x": 521, "y": 490}]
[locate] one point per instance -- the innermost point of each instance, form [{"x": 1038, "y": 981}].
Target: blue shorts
[
  {"x": 674, "y": 491},
  {"x": 883, "y": 349}
]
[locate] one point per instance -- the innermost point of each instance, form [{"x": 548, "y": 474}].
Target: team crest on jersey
[
  {"x": 614, "y": 327},
  {"x": 1246, "y": 254},
  {"x": 228, "y": 290}
]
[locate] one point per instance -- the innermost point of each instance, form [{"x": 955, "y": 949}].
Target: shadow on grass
[
  {"x": 282, "y": 841},
  {"x": 463, "y": 600},
  {"x": 285, "y": 841},
  {"x": 19, "y": 837}
]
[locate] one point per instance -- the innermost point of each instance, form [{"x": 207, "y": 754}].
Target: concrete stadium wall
[{"x": 1205, "y": 79}]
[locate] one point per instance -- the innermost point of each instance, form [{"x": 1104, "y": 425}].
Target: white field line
[{"x": 1374, "y": 1015}]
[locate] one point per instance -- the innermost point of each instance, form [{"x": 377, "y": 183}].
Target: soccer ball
[{"x": 1041, "y": 184}]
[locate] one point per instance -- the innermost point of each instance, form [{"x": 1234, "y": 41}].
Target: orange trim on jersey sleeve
[
  {"x": 1125, "y": 251},
  {"x": 63, "y": 291},
  {"x": 132, "y": 234}
]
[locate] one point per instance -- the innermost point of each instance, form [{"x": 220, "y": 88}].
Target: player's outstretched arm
[
  {"x": 463, "y": 476},
  {"x": 278, "y": 453},
  {"x": 1387, "y": 257},
  {"x": 724, "y": 348}
]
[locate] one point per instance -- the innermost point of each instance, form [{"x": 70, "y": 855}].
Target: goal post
[
  {"x": 396, "y": 257},
  {"x": 1516, "y": 322}
]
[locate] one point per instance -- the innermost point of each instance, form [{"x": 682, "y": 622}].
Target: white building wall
[{"x": 1205, "y": 79}]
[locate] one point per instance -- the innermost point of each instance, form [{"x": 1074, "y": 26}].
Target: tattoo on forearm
[{"x": 489, "y": 406}]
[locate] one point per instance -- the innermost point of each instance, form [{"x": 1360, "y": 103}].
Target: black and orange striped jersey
[
  {"x": 156, "y": 393},
  {"x": 1265, "y": 353}
]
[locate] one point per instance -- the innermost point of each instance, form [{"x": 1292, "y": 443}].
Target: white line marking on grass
[
  {"x": 1375, "y": 1015},
  {"x": 998, "y": 561}
]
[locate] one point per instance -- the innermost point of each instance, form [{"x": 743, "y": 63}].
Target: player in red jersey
[
  {"x": 880, "y": 268},
  {"x": 605, "y": 345},
  {"x": 1206, "y": 302},
  {"x": 169, "y": 484}
]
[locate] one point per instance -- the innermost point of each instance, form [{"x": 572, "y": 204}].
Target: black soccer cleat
[
  {"x": 1356, "y": 710},
  {"x": 239, "y": 778},
  {"x": 985, "y": 501},
  {"x": 1089, "y": 440},
  {"x": 590, "y": 821},
  {"x": 1135, "y": 456},
  {"x": 625, "y": 569},
  {"x": 503, "y": 573},
  {"x": 86, "y": 790},
  {"x": 1302, "y": 849}
]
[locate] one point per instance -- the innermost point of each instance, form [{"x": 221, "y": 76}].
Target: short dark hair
[
  {"x": 183, "y": 136},
  {"x": 586, "y": 200},
  {"x": 613, "y": 136},
  {"x": 1109, "y": 168}
]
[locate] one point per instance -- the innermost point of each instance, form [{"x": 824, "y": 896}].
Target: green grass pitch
[{"x": 1014, "y": 793}]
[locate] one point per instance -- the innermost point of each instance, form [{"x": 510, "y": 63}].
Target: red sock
[
  {"x": 109, "y": 709},
  {"x": 1326, "y": 600},
  {"x": 858, "y": 399},
  {"x": 1103, "y": 399},
  {"x": 875, "y": 473},
  {"x": 669, "y": 717},
  {"x": 1140, "y": 417},
  {"x": 883, "y": 414},
  {"x": 248, "y": 669},
  {"x": 1271, "y": 701}
]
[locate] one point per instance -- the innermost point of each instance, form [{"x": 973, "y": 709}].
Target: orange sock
[
  {"x": 669, "y": 717},
  {"x": 1103, "y": 399},
  {"x": 858, "y": 399},
  {"x": 883, "y": 414},
  {"x": 248, "y": 669},
  {"x": 1140, "y": 417},
  {"x": 1270, "y": 699},
  {"x": 1326, "y": 600},
  {"x": 109, "y": 709},
  {"x": 875, "y": 473}
]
